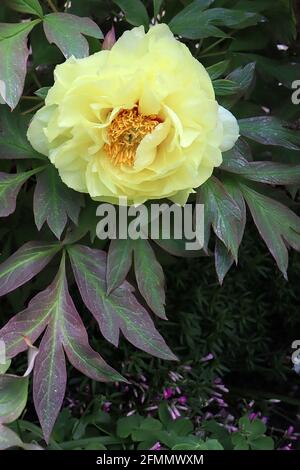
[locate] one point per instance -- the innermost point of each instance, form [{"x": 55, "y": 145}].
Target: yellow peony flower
[{"x": 139, "y": 120}]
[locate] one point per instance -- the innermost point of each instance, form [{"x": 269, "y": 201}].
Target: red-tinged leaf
[
  {"x": 54, "y": 307},
  {"x": 266, "y": 172},
  {"x": 50, "y": 376},
  {"x": 29, "y": 323},
  {"x": 67, "y": 32},
  {"x": 223, "y": 260},
  {"x": 278, "y": 226},
  {"x": 54, "y": 202},
  {"x": 77, "y": 348},
  {"x": 10, "y": 186},
  {"x": 120, "y": 311},
  {"x": 222, "y": 212},
  {"x": 270, "y": 130},
  {"x": 150, "y": 277},
  {"x": 119, "y": 261},
  {"x": 13, "y": 60},
  {"x": 25, "y": 264}
]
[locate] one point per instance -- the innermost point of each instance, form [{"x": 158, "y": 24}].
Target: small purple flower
[
  {"x": 207, "y": 358},
  {"x": 168, "y": 393},
  {"x": 265, "y": 419},
  {"x": 106, "y": 406},
  {"x": 290, "y": 431},
  {"x": 287, "y": 447},
  {"x": 253, "y": 416},
  {"x": 182, "y": 400},
  {"x": 156, "y": 446}
]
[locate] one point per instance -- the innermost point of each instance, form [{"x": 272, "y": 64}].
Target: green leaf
[
  {"x": 240, "y": 442},
  {"x": 9, "y": 438},
  {"x": 270, "y": 131},
  {"x": 125, "y": 426},
  {"x": 190, "y": 14},
  {"x": 26, "y": 6},
  {"x": 243, "y": 77},
  {"x": 262, "y": 443},
  {"x": 13, "y": 397},
  {"x": 135, "y": 12},
  {"x": 13, "y": 60},
  {"x": 225, "y": 87},
  {"x": 278, "y": 70},
  {"x": 149, "y": 276},
  {"x": 194, "y": 23},
  {"x": 157, "y": 4},
  {"x": 67, "y": 32},
  {"x": 222, "y": 212},
  {"x": 42, "y": 92},
  {"x": 13, "y": 140},
  {"x": 54, "y": 202},
  {"x": 117, "y": 312},
  {"x": 10, "y": 186},
  {"x": 4, "y": 367},
  {"x": 278, "y": 226},
  {"x": 217, "y": 70}
]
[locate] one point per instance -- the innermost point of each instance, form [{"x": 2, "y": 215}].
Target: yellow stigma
[{"x": 125, "y": 134}]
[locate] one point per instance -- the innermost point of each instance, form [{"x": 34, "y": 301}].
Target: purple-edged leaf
[
  {"x": 278, "y": 226},
  {"x": 25, "y": 264},
  {"x": 120, "y": 311},
  {"x": 13, "y": 140},
  {"x": 67, "y": 32},
  {"x": 177, "y": 247},
  {"x": 29, "y": 323},
  {"x": 261, "y": 171},
  {"x": 13, "y": 60},
  {"x": 223, "y": 260},
  {"x": 10, "y": 186},
  {"x": 270, "y": 131},
  {"x": 54, "y": 202},
  {"x": 222, "y": 212},
  {"x": 119, "y": 261},
  {"x": 50, "y": 375},
  {"x": 150, "y": 277},
  {"x": 8, "y": 439},
  {"x": 26, "y": 6},
  {"x": 76, "y": 344}
]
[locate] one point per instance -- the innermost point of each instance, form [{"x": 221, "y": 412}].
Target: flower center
[{"x": 125, "y": 134}]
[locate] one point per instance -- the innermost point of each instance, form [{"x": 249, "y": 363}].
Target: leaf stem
[
  {"x": 52, "y": 6},
  {"x": 34, "y": 98},
  {"x": 37, "y": 106},
  {"x": 216, "y": 43}
]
